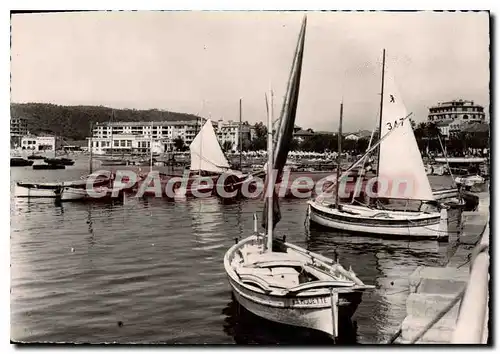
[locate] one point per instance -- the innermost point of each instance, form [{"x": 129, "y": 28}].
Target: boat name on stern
[{"x": 311, "y": 301}]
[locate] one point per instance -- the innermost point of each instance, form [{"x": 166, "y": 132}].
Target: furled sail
[
  {"x": 206, "y": 153},
  {"x": 401, "y": 169},
  {"x": 287, "y": 120}
]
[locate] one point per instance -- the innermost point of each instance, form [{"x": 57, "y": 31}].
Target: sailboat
[
  {"x": 414, "y": 212},
  {"x": 208, "y": 162},
  {"x": 277, "y": 280}
]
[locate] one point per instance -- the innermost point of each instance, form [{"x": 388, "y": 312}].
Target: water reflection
[
  {"x": 247, "y": 328},
  {"x": 387, "y": 264}
]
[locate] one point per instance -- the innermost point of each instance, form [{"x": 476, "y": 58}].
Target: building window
[
  {"x": 116, "y": 143},
  {"x": 466, "y": 117},
  {"x": 122, "y": 143},
  {"x": 129, "y": 143}
]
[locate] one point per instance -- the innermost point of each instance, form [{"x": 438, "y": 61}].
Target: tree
[
  {"x": 179, "y": 144},
  {"x": 227, "y": 146},
  {"x": 259, "y": 142},
  {"x": 72, "y": 122},
  {"x": 294, "y": 144},
  {"x": 319, "y": 143}
]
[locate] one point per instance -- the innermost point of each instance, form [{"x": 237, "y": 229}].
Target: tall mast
[
  {"x": 381, "y": 110},
  {"x": 201, "y": 145},
  {"x": 111, "y": 126},
  {"x": 338, "y": 156},
  {"x": 91, "y": 147},
  {"x": 151, "y": 149},
  {"x": 270, "y": 174},
  {"x": 240, "y": 140}
]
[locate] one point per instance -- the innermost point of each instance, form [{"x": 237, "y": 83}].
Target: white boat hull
[
  {"x": 28, "y": 192},
  {"x": 73, "y": 194},
  {"x": 314, "y": 318},
  {"x": 308, "y": 308},
  {"x": 52, "y": 189},
  {"x": 460, "y": 160},
  {"x": 430, "y": 227},
  {"x": 445, "y": 193}
]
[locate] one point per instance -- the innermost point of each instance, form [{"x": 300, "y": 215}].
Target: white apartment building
[
  {"x": 38, "y": 143},
  {"x": 453, "y": 116},
  {"x": 136, "y": 137},
  {"x": 230, "y": 132}
]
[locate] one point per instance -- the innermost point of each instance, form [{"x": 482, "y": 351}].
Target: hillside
[{"x": 73, "y": 122}]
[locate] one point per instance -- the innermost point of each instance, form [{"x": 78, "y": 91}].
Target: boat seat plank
[
  {"x": 321, "y": 284},
  {"x": 263, "y": 258},
  {"x": 253, "y": 271}
]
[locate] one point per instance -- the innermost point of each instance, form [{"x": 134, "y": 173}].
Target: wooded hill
[{"x": 73, "y": 122}]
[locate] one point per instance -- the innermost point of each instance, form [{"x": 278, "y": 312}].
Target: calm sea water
[{"x": 151, "y": 270}]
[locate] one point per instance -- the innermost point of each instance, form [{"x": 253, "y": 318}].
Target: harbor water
[{"x": 150, "y": 270}]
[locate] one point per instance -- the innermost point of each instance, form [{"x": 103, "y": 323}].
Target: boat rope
[
  {"x": 437, "y": 230},
  {"x": 308, "y": 211},
  {"x": 435, "y": 320},
  {"x": 479, "y": 248},
  {"x": 440, "y": 315}
]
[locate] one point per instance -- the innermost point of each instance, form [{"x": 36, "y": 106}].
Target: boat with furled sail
[
  {"x": 277, "y": 280},
  {"x": 403, "y": 204}
]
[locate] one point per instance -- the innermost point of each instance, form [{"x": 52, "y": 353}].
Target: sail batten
[
  {"x": 206, "y": 153},
  {"x": 401, "y": 169}
]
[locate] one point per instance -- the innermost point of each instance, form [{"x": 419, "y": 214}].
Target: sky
[{"x": 203, "y": 62}]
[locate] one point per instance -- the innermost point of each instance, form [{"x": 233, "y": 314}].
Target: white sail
[
  {"x": 206, "y": 153},
  {"x": 401, "y": 169}
]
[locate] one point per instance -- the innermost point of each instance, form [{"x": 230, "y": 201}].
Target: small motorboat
[
  {"x": 113, "y": 162},
  {"x": 59, "y": 161},
  {"x": 19, "y": 162},
  {"x": 49, "y": 167}
]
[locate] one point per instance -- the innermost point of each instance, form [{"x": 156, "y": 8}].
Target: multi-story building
[
  {"x": 230, "y": 132},
  {"x": 18, "y": 129},
  {"x": 136, "y": 137},
  {"x": 38, "y": 143},
  {"x": 453, "y": 116}
]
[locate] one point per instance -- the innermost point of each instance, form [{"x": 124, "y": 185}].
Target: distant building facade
[
  {"x": 38, "y": 143},
  {"x": 301, "y": 134},
  {"x": 18, "y": 129},
  {"x": 230, "y": 132},
  {"x": 140, "y": 137},
  {"x": 452, "y": 117}
]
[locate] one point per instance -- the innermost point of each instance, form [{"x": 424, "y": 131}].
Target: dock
[{"x": 463, "y": 276}]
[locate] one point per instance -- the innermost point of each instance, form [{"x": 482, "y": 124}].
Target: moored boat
[
  {"x": 99, "y": 193},
  {"x": 292, "y": 285},
  {"x": 53, "y": 189},
  {"x": 19, "y": 162},
  {"x": 411, "y": 213},
  {"x": 59, "y": 161},
  {"x": 209, "y": 170},
  {"x": 51, "y": 166},
  {"x": 279, "y": 281},
  {"x": 461, "y": 160}
]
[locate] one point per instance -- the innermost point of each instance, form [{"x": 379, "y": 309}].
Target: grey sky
[{"x": 177, "y": 60}]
